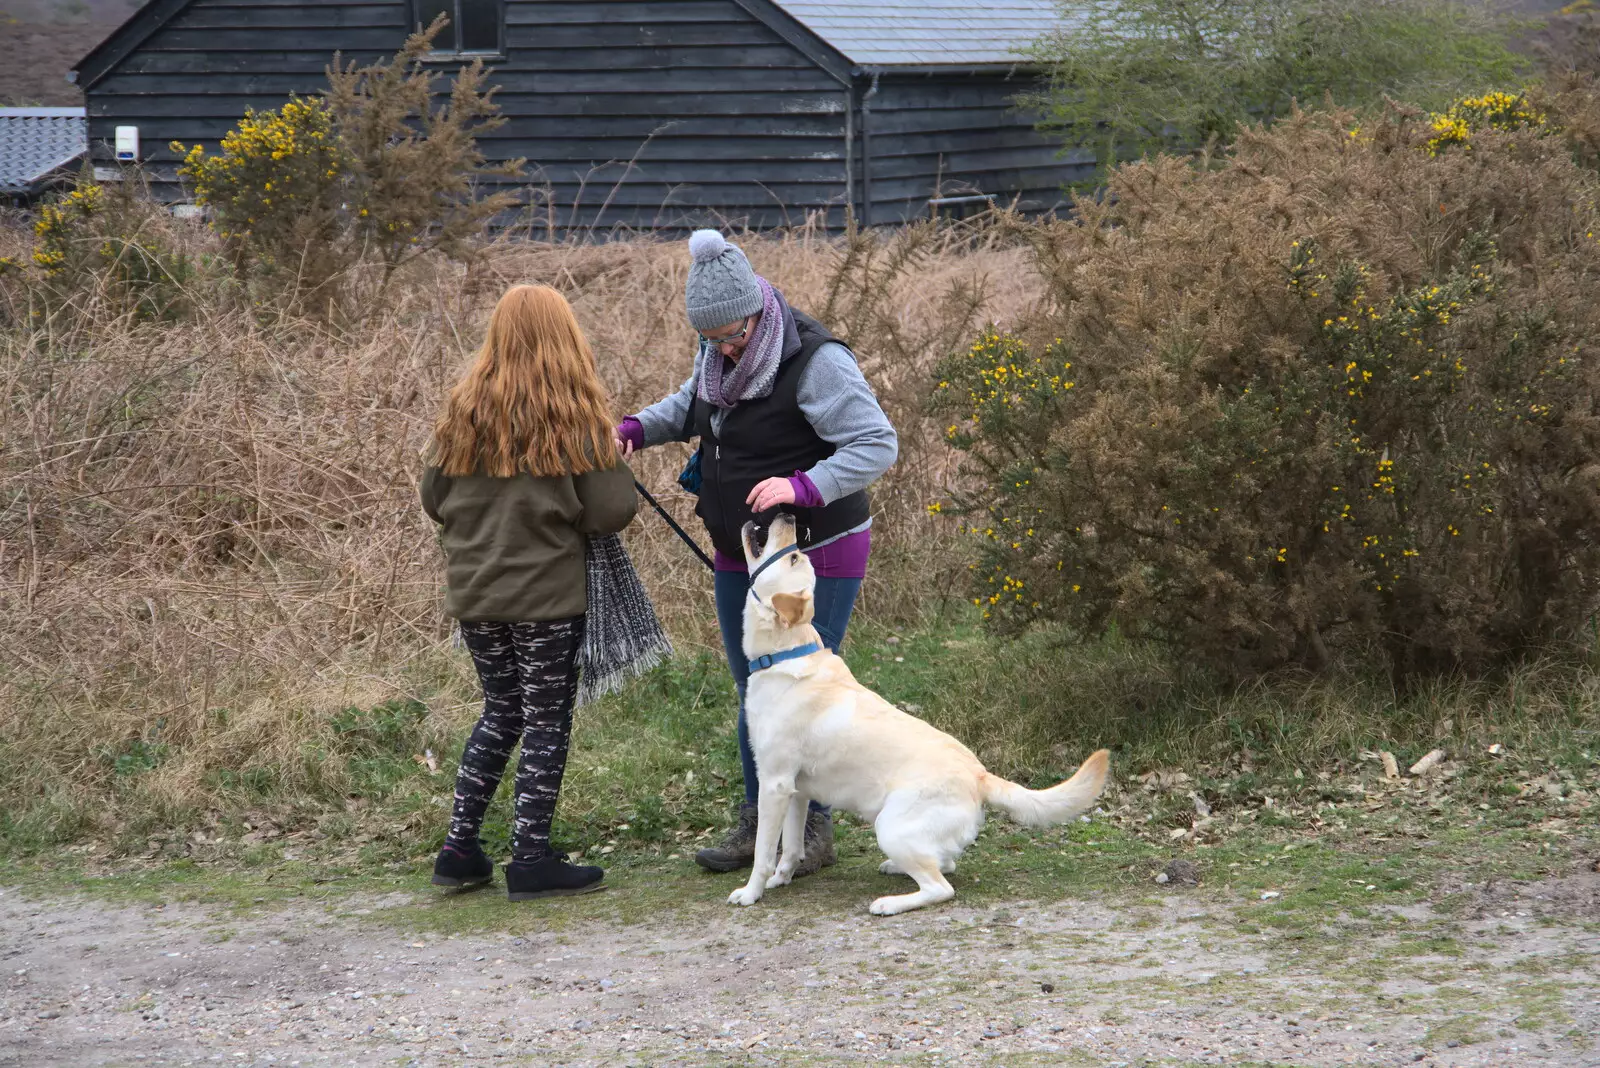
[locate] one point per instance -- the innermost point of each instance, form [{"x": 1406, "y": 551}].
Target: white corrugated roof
[
  {"x": 36, "y": 141},
  {"x": 918, "y": 33}
]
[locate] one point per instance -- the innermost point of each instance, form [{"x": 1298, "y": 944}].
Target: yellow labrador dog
[{"x": 818, "y": 734}]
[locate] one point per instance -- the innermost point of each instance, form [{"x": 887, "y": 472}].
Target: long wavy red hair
[{"x": 531, "y": 401}]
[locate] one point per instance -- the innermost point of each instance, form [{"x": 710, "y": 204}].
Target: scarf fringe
[
  {"x": 595, "y": 684},
  {"x": 623, "y": 638}
]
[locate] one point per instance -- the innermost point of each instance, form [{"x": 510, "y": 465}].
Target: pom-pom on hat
[{"x": 722, "y": 287}]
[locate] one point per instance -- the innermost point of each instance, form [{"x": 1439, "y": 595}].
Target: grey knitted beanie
[{"x": 722, "y": 287}]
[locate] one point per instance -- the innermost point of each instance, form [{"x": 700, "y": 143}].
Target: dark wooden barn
[{"x": 640, "y": 113}]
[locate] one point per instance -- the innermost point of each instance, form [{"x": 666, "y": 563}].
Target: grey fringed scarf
[{"x": 622, "y": 638}]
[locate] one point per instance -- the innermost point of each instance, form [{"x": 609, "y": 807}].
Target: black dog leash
[{"x": 673, "y": 523}]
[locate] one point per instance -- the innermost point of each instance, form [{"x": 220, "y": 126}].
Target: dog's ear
[{"x": 793, "y": 608}]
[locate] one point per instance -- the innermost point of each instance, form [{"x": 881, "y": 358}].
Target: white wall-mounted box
[{"x": 127, "y": 144}]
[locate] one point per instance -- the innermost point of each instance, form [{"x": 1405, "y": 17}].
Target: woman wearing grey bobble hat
[{"x": 784, "y": 418}]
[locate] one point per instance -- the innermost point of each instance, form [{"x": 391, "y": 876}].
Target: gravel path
[{"x": 1171, "y": 980}]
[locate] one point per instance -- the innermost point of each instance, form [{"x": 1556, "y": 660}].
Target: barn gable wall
[
  {"x": 961, "y": 134},
  {"x": 633, "y": 113}
]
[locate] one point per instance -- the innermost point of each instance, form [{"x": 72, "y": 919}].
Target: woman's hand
[
  {"x": 770, "y": 494},
  {"x": 624, "y": 447}
]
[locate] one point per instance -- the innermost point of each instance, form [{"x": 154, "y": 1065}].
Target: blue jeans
[{"x": 835, "y": 599}]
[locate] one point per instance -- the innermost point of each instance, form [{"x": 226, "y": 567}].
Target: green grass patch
[
  {"x": 654, "y": 770},
  {"x": 1463, "y": 1030}
]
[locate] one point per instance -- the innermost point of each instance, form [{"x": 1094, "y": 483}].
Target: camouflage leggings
[{"x": 529, "y": 680}]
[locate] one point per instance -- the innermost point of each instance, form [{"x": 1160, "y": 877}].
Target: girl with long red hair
[{"x": 521, "y": 472}]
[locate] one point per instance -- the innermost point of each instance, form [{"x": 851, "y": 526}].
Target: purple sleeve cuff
[
  {"x": 631, "y": 430},
  {"x": 806, "y": 494}
]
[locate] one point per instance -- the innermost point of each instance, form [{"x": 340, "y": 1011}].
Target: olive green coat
[{"x": 514, "y": 547}]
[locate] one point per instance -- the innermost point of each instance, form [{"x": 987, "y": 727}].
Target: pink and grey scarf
[{"x": 752, "y": 375}]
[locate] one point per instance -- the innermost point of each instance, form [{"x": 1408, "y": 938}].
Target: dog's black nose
[{"x": 755, "y": 536}]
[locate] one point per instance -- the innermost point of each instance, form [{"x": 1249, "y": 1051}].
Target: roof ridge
[{"x": 952, "y": 34}]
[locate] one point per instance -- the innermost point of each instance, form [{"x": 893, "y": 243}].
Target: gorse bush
[
  {"x": 273, "y": 191},
  {"x": 112, "y": 243},
  {"x": 371, "y": 170},
  {"x": 1569, "y": 42},
  {"x": 1570, "y": 102},
  {"x": 60, "y": 224},
  {"x": 1337, "y": 394}
]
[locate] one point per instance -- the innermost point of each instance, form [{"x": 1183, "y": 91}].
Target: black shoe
[
  {"x": 551, "y": 876},
  {"x": 737, "y": 849},
  {"x": 461, "y": 869}
]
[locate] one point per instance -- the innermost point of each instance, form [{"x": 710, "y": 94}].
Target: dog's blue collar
[{"x": 766, "y": 660}]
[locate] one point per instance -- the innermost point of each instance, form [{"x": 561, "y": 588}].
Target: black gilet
[{"x": 768, "y": 438}]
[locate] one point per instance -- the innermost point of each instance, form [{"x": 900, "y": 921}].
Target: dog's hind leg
[
  {"x": 932, "y": 886},
  {"x": 915, "y": 833}
]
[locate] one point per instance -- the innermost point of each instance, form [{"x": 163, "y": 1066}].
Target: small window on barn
[{"x": 473, "y": 29}]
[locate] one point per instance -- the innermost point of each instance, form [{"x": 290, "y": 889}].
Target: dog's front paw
[
  {"x": 895, "y": 904},
  {"x": 745, "y": 895},
  {"x": 780, "y": 878}
]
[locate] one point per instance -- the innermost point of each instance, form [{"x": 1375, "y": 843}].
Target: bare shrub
[
  {"x": 414, "y": 168},
  {"x": 1143, "y": 76},
  {"x": 210, "y": 545}
]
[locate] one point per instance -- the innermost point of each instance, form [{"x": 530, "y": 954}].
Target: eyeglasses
[{"x": 727, "y": 339}]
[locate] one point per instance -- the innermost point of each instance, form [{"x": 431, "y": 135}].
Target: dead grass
[
  {"x": 209, "y": 537},
  {"x": 212, "y": 566}
]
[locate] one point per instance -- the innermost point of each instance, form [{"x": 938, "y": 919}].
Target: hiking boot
[
  {"x": 737, "y": 849},
  {"x": 551, "y": 876},
  {"x": 462, "y": 868},
  {"x": 819, "y": 844}
]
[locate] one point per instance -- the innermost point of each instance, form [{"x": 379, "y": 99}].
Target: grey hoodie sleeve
[
  {"x": 663, "y": 420},
  {"x": 841, "y": 407}
]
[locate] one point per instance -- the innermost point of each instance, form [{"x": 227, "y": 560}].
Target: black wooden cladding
[
  {"x": 631, "y": 113},
  {"x": 959, "y": 135}
]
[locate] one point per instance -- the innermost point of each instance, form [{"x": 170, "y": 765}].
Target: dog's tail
[{"x": 1059, "y": 803}]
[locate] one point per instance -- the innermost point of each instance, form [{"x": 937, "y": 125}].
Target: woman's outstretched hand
[
  {"x": 770, "y": 494},
  {"x": 624, "y": 447}
]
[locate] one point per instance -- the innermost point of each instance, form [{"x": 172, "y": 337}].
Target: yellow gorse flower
[
  {"x": 1496, "y": 111},
  {"x": 57, "y": 224}
]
